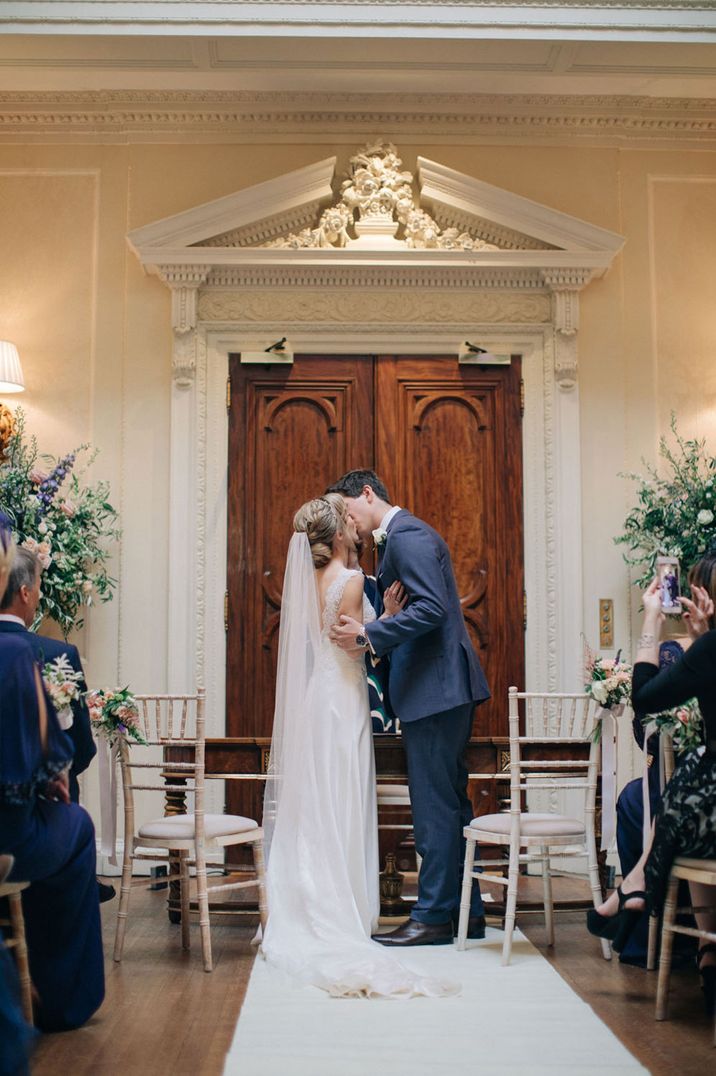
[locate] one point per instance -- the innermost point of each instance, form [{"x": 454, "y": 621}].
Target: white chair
[
  {"x": 702, "y": 871},
  {"x": 177, "y": 721},
  {"x": 563, "y": 720}
]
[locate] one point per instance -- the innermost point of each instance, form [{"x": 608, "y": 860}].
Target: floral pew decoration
[
  {"x": 608, "y": 682},
  {"x": 115, "y": 719}
]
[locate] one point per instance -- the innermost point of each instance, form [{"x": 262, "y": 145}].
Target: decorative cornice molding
[
  {"x": 335, "y": 277},
  {"x": 265, "y": 230},
  {"x": 134, "y": 115}
]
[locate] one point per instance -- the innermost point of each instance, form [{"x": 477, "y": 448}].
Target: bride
[{"x": 320, "y": 814}]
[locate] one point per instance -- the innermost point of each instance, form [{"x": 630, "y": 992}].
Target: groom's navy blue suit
[{"x": 435, "y": 681}]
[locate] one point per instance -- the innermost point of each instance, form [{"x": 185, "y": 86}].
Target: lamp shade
[{"x": 11, "y": 379}]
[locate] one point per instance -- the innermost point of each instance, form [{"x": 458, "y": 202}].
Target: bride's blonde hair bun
[{"x": 321, "y": 518}]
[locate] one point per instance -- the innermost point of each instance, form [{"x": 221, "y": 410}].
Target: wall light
[{"x": 11, "y": 379}]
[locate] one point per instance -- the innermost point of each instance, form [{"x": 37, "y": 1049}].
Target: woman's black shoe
[
  {"x": 708, "y": 978},
  {"x": 616, "y": 928}
]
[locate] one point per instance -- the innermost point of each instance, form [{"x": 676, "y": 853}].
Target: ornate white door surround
[{"x": 374, "y": 268}]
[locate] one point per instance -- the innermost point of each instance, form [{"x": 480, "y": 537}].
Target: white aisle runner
[{"x": 523, "y": 1019}]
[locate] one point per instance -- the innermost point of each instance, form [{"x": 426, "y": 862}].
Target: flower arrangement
[
  {"x": 68, "y": 524},
  {"x": 608, "y": 680},
  {"x": 675, "y": 514},
  {"x": 63, "y": 687},
  {"x": 115, "y": 714},
  {"x": 685, "y": 724}
]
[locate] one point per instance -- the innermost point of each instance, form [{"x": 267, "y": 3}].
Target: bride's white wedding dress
[{"x": 321, "y": 815}]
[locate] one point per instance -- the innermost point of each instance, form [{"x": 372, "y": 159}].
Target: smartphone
[{"x": 667, "y": 572}]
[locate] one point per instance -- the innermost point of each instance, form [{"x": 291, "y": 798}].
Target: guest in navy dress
[
  {"x": 53, "y": 845},
  {"x": 630, "y": 806}
]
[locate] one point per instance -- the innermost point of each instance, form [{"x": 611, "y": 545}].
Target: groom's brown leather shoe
[{"x": 415, "y": 933}]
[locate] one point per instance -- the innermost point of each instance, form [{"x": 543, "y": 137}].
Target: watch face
[{"x": 361, "y": 640}]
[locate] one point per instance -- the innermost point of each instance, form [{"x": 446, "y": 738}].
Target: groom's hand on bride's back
[{"x": 345, "y": 632}]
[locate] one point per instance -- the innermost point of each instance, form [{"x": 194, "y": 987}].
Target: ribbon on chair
[
  {"x": 609, "y": 773},
  {"x": 107, "y": 762}
]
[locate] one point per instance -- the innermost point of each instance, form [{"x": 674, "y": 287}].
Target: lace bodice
[{"x": 334, "y": 594}]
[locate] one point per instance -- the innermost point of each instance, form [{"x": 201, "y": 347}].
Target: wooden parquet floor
[{"x": 163, "y": 1015}]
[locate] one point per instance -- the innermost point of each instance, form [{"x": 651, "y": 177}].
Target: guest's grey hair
[{"x": 22, "y": 574}]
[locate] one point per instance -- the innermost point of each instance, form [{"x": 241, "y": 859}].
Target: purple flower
[
  {"x": 50, "y": 485},
  {"x": 122, "y": 728}
]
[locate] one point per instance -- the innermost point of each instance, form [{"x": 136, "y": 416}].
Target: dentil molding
[{"x": 154, "y": 116}]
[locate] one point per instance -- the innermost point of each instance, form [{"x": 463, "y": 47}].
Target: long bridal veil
[
  {"x": 298, "y": 645},
  {"x": 320, "y": 813}
]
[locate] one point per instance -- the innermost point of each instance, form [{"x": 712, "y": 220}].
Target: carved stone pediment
[
  {"x": 379, "y": 215},
  {"x": 441, "y": 245}
]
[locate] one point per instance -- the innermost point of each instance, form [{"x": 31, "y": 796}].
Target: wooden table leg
[{"x": 174, "y": 803}]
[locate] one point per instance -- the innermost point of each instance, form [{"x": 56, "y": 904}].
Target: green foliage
[
  {"x": 675, "y": 513},
  {"x": 67, "y": 523}
]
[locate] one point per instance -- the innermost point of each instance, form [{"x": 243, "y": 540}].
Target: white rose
[
  {"x": 705, "y": 517},
  {"x": 42, "y": 527},
  {"x": 599, "y": 691}
]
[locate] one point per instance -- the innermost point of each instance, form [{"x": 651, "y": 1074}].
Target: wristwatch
[{"x": 361, "y": 640}]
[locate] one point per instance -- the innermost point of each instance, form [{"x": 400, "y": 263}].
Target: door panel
[
  {"x": 292, "y": 431},
  {"x": 447, "y": 442},
  {"x": 449, "y": 449}
]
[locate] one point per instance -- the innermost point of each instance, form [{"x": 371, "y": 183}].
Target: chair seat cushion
[
  {"x": 181, "y": 826},
  {"x": 531, "y": 825}
]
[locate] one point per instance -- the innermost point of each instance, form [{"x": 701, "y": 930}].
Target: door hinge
[
  {"x": 522, "y": 397},
  {"x": 226, "y": 612},
  {"x": 228, "y": 394},
  {"x": 524, "y": 610}
]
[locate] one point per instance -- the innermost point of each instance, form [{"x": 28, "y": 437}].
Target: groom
[{"x": 435, "y": 681}]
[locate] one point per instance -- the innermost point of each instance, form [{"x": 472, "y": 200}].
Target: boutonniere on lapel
[{"x": 379, "y": 537}]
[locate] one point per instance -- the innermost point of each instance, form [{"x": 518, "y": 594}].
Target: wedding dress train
[{"x": 320, "y": 808}]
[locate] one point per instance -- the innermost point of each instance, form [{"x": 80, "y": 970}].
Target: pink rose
[
  {"x": 68, "y": 509},
  {"x": 37, "y": 477}
]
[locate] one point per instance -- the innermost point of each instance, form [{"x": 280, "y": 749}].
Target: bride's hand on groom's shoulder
[
  {"x": 345, "y": 632},
  {"x": 394, "y": 599}
]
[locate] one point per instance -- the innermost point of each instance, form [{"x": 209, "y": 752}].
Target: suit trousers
[{"x": 437, "y": 777}]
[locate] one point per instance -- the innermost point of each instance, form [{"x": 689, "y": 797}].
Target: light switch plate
[{"x": 606, "y": 623}]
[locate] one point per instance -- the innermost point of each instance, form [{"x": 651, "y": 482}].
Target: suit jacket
[
  {"x": 80, "y": 733},
  {"x": 433, "y": 665}
]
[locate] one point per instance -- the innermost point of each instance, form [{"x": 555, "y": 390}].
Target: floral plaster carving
[
  {"x": 375, "y": 306},
  {"x": 382, "y": 196}
]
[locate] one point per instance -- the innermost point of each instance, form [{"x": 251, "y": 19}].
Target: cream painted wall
[{"x": 94, "y": 333}]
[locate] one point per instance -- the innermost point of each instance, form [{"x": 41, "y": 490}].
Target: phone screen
[{"x": 668, "y": 575}]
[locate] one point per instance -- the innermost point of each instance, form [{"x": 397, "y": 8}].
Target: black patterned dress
[{"x": 685, "y": 823}]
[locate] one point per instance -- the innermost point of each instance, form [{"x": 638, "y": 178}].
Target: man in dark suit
[
  {"x": 17, "y": 612},
  {"x": 435, "y": 681}
]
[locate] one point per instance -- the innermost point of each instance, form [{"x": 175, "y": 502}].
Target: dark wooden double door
[{"x": 447, "y": 442}]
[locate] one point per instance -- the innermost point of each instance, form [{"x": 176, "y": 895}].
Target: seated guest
[
  {"x": 52, "y": 842},
  {"x": 684, "y": 821},
  {"x": 698, "y": 618},
  {"x": 17, "y": 613}
]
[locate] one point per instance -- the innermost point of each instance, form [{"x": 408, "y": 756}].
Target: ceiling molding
[
  {"x": 156, "y": 116},
  {"x": 670, "y": 20}
]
